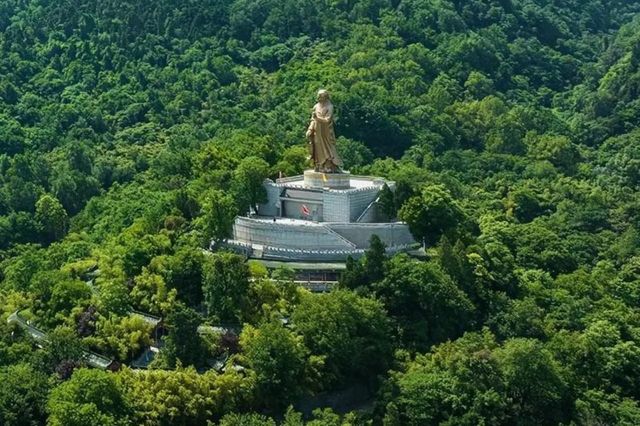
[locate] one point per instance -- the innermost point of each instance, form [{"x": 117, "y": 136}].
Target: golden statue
[{"x": 321, "y": 137}]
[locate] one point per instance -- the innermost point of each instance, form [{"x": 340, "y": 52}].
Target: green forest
[{"x": 133, "y": 132}]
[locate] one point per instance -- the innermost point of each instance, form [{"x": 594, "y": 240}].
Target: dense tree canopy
[{"x": 132, "y": 133}]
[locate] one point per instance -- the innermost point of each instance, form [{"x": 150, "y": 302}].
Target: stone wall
[
  {"x": 359, "y": 201},
  {"x": 313, "y": 179},
  {"x": 371, "y": 214},
  {"x": 301, "y": 236},
  {"x": 293, "y": 210},
  {"x": 289, "y": 254},
  {"x": 347, "y": 206},
  {"x": 336, "y": 206},
  {"x": 312, "y": 236},
  {"x": 276, "y": 253},
  {"x": 392, "y": 234}
]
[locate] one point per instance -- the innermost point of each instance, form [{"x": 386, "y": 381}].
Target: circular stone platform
[{"x": 313, "y": 179}]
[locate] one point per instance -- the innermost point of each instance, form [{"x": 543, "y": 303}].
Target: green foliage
[
  {"x": 374, "y": 259},
  {"x": 121, "y": 337},
  {"x": 52, "y": 218},
  {"x": 354, "y": 154},
  {"x": 247, "y": 180},
  {"x": 183, "y": 342},
  {"x": 387, "y": 203},
  {"x": 22, "y": 395},
  {"x": 353, "y": 276},
  {"x": 516, "y": 383},
  {"x": 151, "y": 295},
  {"x": 598, "y": 407},
  {"x": 225, "y": 284},
  {"x": 132, "y": 133},
  {"x": 359, "y": 275},
  {"x": 533, "y": 380},
  {"x": 432, "y": 214},
  {"x": 280, "y": 361},
  {"x": 294, "y": 161},
  {"x": 113, "y": 294},
  {"x": 66, "y": 295},
  {"x": 139, "y": 250},
  {"x": 218, "y": 214},
  {"x": 246, "y": 420},
  {"x": 426, "y": 389},
  {"x": 424, "y": 302},
  {"x": 62, "y": 353},
  {"x": 182, "y": 273},
  {"x": 183, "y": 396},
  {"x": 350, "y": 332},
  {"x": 525, "y": 205},
  {"x": 558, "y": 150},
  {"x": 90, "y": 397}
]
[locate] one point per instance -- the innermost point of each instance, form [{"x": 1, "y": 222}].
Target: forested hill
[{"x": 132, "y": 133}]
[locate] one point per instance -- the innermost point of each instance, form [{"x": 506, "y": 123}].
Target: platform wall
[
  {"x": 337, "y": 205},
  {"x": 392, "y": 234},
  {"x": 280, "y": 235},
  {"x": 359, "y": 201},
  {"x": 334, "y": 236}
]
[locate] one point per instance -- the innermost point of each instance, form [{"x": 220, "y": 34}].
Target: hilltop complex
[{"x": 319, "y": 217}]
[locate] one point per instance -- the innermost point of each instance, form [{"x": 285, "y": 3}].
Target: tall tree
[
  {"x": 218, "y": 213},
  {"x": 387, "y": 203},
  {"x": 183, "y": 342},
  {"x": 280, "y": 361},
  {"x": 89, "y": 398},
  {"x": 225, "y": 286},
  {"x": 423, "y": 300},
  {"x": 350, "y": 331},
  {"x": 52, "y": 218},
  {"x": 248, "y": 181},
  {"x": 23, "y": 394},
  {"x": 374, "y": 259},
  {"x": 432, "y": 214}
]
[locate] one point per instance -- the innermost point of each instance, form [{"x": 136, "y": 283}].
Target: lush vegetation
[{"x": 133, "y": 132}]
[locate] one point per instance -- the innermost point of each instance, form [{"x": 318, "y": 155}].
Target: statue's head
[{"x": 323, "y": 95}]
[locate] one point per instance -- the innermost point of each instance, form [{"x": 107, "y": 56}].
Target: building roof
[
  {"x": 355, "y": 183},
  {"x": 304, "y": 266},
  {"x": 92, "y": 358}
]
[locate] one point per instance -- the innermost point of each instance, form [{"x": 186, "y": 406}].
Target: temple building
[{"x": 319, "y": 217}]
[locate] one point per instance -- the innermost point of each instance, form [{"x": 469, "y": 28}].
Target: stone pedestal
[{"x": 313, "y": 179}]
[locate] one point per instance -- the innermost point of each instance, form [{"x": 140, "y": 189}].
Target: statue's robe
[{"x": 323, "y": 138}]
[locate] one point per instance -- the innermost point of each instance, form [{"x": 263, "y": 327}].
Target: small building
[{"x": 40, "y": 337}]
